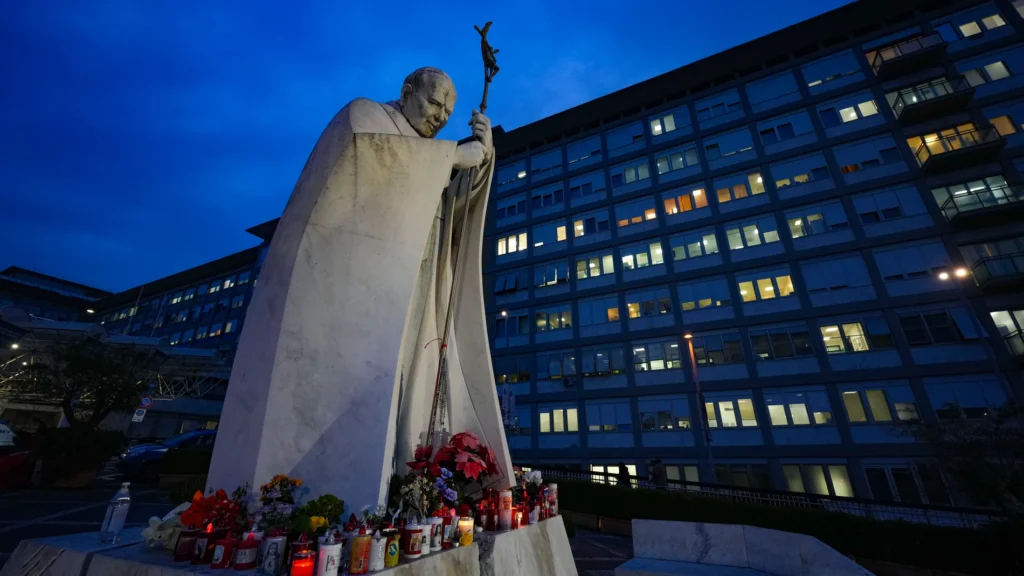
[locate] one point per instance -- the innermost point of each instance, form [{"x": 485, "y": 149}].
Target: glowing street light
[
  {"x": 14, "y": 346},
  {"x": 943, "y": 275},
  {"x": 90, "y": 311},
  {"x": 960, "y": 272},
  {"x": 504, "y": 313}
]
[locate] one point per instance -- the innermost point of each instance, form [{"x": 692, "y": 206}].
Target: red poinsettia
[
  {"x": 470, "y": 465},
  {"x": 465, "y": 441}
]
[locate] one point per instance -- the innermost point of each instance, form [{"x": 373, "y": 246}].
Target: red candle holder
[{"x": 247, "y": 554}]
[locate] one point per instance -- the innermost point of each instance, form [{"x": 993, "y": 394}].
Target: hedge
[
  {"x": 186, "y": 461},
  {"x": 995, "y": 549}
]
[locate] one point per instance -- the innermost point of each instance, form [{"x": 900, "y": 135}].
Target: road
[{"x": 40, "y": 513}]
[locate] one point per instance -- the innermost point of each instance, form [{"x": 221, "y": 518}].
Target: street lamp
[
  {"x": 14, "y": 346},
  {"x": 701, "y": 407},
  {"x": 90, "y": 311}
]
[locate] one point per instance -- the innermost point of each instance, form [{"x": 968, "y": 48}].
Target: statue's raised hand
[{"x": 475, "y": 153}]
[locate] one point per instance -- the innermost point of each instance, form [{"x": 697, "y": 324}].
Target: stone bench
[{"x": 663, "y": 548}]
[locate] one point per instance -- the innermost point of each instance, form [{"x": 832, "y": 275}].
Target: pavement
[{"x": 38, "y": 513}]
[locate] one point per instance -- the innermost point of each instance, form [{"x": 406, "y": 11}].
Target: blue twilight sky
[{"x": 139, "y": 138}]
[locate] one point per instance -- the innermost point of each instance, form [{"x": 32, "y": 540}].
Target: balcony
[
  {"x": 984, "y": 206},
  {"x": 953, "y": 149},
  {"x": 908, "y": 56},
  {"x": 932, "y": 100},
  {"x": 999, "y": 272}
]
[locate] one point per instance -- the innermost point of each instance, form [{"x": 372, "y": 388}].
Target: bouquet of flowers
[
  {"x": 217, "y": 509},
  {"x": 277, "y": 499},
  {"x": 319, "y": 515},
  {"x": 464, "y": 462}
]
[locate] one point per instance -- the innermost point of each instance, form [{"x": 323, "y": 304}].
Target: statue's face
[{"x": 428, "y": 107}]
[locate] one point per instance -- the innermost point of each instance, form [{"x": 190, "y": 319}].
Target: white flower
[{"x": 534, "y": 477}]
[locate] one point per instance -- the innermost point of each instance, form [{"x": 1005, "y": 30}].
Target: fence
[{"x": 935, "y": 515}]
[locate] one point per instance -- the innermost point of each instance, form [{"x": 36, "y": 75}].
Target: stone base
[
  {"x": 662, "y": 548},
  {"x": 536, "y": 550}
]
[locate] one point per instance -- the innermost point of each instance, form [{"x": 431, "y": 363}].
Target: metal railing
[
  {"x": 1015, "y": 343},
  {"x": 931, "y": 91},
  {"x": 998, "y": 267},
  {"x": 949, "y": 143},
  {"x": 970, "y": 200},
  {"x": 935, "y": 515},
  {"x": 904, "y": 48}
]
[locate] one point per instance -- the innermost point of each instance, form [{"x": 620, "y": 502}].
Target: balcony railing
[
  {"x": 935, "y": 515},
  {"x": 951, "y": 143},
  {"x": 905, "y": 51},
  {"x": 996, "y": 269},
  {"x": 1015, "y": 343},
  {"x": 971, "y": 200},
  {"x": 921, "y": 97}
]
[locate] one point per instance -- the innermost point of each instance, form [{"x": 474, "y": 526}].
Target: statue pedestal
[{"x": 536, "y": 550}]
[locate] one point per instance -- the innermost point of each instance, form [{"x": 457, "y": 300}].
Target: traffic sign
[
  {"x": 145, "y": 402},
  {"x": 139, "y": 415}
]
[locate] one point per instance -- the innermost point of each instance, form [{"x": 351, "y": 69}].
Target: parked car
[{"x": 143, "y": 461}]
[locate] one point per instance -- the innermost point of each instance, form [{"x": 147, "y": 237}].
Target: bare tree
[{"x": 983, "y": 456}]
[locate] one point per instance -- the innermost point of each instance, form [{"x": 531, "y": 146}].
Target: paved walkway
[{"x": 597, "y": 554}]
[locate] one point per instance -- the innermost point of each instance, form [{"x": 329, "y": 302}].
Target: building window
[
  {"x": 190, "y": 294},
  {"x": 624, "y": 136},
  {"x": 679, "y": 201},
  {"x": 878, "y": 405},
  {"x": 751, "y": 233},
  {"x": 554, "y": 318},
  {"x": 590, "y": 223},
  {"x": 588, "y": 185},
  {"x": 831, "y": 117},
  {"x": 548, "y": 233},
  {"x": 678, "y": 159},
  {"x": 738, "y": 186},
  {"x": 725, "y": 145},
  {"x": 510, "y": 282},
  {"x": 817, "y": 219},
  {"x": 203, "y": 289},
  {"x": 215, "y": 287},
  {"x": 938, "y": 327},
  {"x": 821, "y": 479},
  {"x": 628, "y": 174},
  {"x": 707, "y": 294},
  {"x": 863, "y": 335},
  {"x": 911, "y": 261},
  {"x": 558, "y": 420},
  {"x": 1004, "y": 125},
  {"x": 603, "y": 361},
  {"x": 180, "y": 316},
  {"x": 512, "y": 243},
  {"x": 867, "y": 155},
  {"x": 780, "y": 343},
  {"x": 906, "y": 484},
  {"x": 599, "y": 310},
  {"x": 664, "y": 413},
  {"x": 550, "y": 274},
  {"x": 216, "y": 329},
  {"x": 201, "y": 332},
  {"x": 648, "y": 303},
  {"x": 609, "y": 416},
  {"x": 196, "y": 311},
  {"x": 594, "y": 266},
  {"x": 719, "y": 105},
  {"x": 610, "y": 474},
  {"x": 766, "y": 288},
  {"x": 666, "y": 122},
  {"x": 874, "y": 207},
  {"x": 743, "y": 475},
  {"x": 186, "y": 336},
  {"x": 238, "y": 301},
  {"x": 556, "y": 365},
  {"x": 229, "y": 326},
  {"x": 837, "y": 273},
  {"x": 513, "y": 323},
  {"x": 635, "y": 212},
  {"x": 541, "y": 199},
  {"x": 243, "y": 278},
  {"x": 174, "y": 299},
  {"x": 1019, "y": 6},
  {"x": 694, "y": 244},
  {"x": 718, "y": 349},
  {"x": 511, "y": 370},
  {"x": 988, "y": 73},
  {"x": 175, "y": 338},
  {"x": 830, "y": 69},
  {"x": 953, "y": 32},
  {"x": 546, "y": 162},
  {"x": 583, "y": 149},
  {"x": 798, "y": 407},
  {"x": 730, "y": 410},
  {"x": 641, "y": 255},
  {"x": 655, "y": 355},
  {"x": 970, "y": 397},
  {"x": 508, "y": 207}
]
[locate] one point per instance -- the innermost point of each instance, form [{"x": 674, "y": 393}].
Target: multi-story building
[
  {"x": 753, "y": 266},
  {"x": 829, "y": 212},
  {"x": 46, "y": 296}
]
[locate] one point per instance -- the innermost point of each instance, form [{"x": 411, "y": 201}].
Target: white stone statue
[{"x": 334, "y": 376}]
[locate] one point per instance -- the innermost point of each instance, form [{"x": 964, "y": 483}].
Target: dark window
[
  {"x": 891, "y": 213},
  {"x": 889, "y": 155},
  {"x": 713, "y": 152},
  {"x": 768, "y": 137},
  {"x": 903, "y": 478},
  {"x": 873, "y": 163},
  {"x": 870, "y": 217},
  {"x": 717, "y": 109},
  {"x": 941, "y": 327},
  {"x": 617, "y": 180},
  {"x": 878, "y": 481},
  {"x": 914, "y": 330},
  {"x": 559, "y": 196},
  {"x": 538, "y": 201},
  {"x": 878, "y": 332},
  {"x": 785, "y": 131},
  {"x": 820, "y": 173},
  {"x": 829, "y": 117}
]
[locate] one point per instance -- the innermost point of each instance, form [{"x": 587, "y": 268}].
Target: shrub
[
  {"x": 68, "y": 451},
  {"x": 186, "y": 461},
  {"x": 991, "y": 550}
]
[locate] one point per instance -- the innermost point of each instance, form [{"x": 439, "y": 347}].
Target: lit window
[
  {"x": 1004, "y": 125},
  {"x": 993, "y": 21},
  {"x": 767, "y": 288},
  {"x": 970, "y": 29},
  {"x": 558, "y": 420},
  {"x": 686, "y": 201}
]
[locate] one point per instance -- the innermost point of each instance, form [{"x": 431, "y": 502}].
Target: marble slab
[
  {"x": 649, "y": 567},
  {"x": 540, "y": 549},
  {"x": 63, "y": 554},
  {"x": 764, "y": 551}
]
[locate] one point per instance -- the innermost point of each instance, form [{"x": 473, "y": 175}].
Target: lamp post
[{"x": 701, "y": 406}]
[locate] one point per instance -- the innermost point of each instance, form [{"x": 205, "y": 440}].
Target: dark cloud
[{"x": 142, "y": 138}]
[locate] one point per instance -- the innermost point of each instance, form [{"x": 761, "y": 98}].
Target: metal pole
[{"x": 701, "y": 409}]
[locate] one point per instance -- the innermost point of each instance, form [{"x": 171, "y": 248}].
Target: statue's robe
[{"x": 334, "y": 376}]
